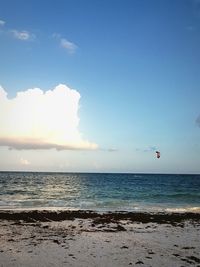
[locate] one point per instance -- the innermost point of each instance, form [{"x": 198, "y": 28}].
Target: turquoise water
[{"x": 101, "y": 192}]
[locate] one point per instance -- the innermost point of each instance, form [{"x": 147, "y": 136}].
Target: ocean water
[{"x": 99, "y": 191}]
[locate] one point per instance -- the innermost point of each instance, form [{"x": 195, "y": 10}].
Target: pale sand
[{"x": 82, "y": 242}]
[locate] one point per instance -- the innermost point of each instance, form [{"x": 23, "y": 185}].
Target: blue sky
[{"x": 136, "y": 65}]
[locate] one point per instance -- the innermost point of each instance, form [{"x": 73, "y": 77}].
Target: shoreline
[{"x": 172, "y": 218}]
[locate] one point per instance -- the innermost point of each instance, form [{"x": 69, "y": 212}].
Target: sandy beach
[{"x": 82, "y": 238}]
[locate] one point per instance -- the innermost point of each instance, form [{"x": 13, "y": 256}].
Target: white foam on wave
[{"x": 186, "y": 209}]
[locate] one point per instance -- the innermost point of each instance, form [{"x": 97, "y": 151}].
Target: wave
[
  {"x": 186, "y": 209},
  {"x": 175, "y": 195}
]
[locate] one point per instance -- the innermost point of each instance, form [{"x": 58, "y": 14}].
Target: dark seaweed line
[{"x": 44, "y": 216}]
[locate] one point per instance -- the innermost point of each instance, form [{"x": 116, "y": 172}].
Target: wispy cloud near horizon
[
  {"x": 69, "y": 46},
  {"x": 22, "y": 35},
  {"x": 42, "y": 120},
  {"x": 147, "y": 149},
  {"x": 2, "y": 22}
]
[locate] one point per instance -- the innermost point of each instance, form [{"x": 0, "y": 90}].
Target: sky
[{"x": 100, "y": 86}]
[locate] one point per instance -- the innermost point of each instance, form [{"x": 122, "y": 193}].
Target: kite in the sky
[{"x": 157, "y": 154}]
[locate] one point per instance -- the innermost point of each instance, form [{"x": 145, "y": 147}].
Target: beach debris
[
  {"x": 124, "y": 247},
  {"x": 188, "y": 247},
  {"x": 56, "y": 241},
  {"x": 151, "y": 252},
  {"x": 120, "y": 228},
  {"x": 193, "y": 258},
  {"x": 158, "y": 154},
  {"x": 188, "y": 261},
  {"x": 139, "y": 262},
  {"x": 176, "y": 254}
]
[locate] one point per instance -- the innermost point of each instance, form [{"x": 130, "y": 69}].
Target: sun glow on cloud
[{"x": 41, "y": 120}]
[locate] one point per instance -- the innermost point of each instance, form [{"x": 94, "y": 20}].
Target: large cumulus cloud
[{"x": 42, "y": 120}]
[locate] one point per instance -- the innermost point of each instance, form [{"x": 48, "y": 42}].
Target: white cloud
[
  {"x": 2, "y": 22},
  {"x": 24, "y": 162},
  {"x": 41, "y": 120},
  {"x": 22, "y": 35},
  {"x": 64, "y": 43},
  {"x": 147, "y": 149},
  {"x": 70, "y": 47},
  {"x": 56, "y": 35}
]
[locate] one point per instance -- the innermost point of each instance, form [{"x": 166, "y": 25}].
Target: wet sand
[{"x": 84, "y": 238}]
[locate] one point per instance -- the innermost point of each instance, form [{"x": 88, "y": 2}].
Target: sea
[{"x": 100, "y": 191}]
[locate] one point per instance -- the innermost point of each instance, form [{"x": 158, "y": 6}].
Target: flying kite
[{"x": 157, "y": 154}]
